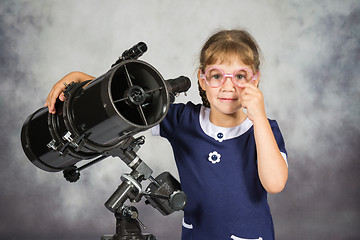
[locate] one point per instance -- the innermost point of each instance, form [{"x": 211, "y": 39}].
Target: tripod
[{"x": 164, "y": 192}]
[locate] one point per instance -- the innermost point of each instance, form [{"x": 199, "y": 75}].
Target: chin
[{"x": 228, "y": 110}]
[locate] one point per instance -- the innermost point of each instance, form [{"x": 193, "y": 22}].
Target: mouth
[{"x": 225, "y": 99}]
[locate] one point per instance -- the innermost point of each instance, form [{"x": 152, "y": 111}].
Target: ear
[
  {"x": 201, "y": 81},
  {"x": 257, "y": 80}
]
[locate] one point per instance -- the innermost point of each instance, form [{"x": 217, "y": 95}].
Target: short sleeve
[
  {"x": 169, "y": 125},
  {"x": 279, "y": 138}
]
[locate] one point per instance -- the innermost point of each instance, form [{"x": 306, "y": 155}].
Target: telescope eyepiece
[{"x": 135, "y": 52}]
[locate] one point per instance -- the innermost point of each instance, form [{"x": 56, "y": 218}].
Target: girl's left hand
[{"x": 252, "y": 99}]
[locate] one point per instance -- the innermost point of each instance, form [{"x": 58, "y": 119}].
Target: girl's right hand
[{"x": 57, "y": 90}]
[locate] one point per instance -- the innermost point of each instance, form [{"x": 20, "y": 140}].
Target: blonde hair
[{"x": 224, "y": 46}]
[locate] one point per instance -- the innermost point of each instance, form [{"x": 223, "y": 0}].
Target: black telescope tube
[{"x": 96, "y": 118}]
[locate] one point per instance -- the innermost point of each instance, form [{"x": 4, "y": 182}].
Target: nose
[{"x": 228, "y": 84}]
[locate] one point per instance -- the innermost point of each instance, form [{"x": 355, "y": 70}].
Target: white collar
[{"x": 221, "y": 133}]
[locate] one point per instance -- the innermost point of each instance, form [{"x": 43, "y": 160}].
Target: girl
[{"x": 228, "y": 160}]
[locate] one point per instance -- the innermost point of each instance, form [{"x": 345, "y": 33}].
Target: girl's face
[{"x": 226, "y": 98}]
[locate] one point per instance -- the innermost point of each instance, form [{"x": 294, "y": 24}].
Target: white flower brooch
[{"x": 214, "y": 157}]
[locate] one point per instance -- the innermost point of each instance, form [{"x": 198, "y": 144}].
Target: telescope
[{"x": 98, "y": 119}]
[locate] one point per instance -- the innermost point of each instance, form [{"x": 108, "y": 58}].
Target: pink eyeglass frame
[{"x": 232, "y": 76}]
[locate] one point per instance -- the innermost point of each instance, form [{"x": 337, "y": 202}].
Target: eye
[
  {"x": 240, "y": 76},
  {"x": 216, "y": 76}
]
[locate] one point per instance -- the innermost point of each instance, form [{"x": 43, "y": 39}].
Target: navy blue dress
[{"x": 218, "y": 172}]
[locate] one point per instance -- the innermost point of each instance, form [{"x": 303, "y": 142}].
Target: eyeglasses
[{"x": 215, "y": 77}]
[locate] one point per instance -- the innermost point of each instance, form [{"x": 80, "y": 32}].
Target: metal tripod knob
[{"x": 133, "y": 213}]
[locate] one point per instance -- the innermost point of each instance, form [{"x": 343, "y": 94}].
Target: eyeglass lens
[{"x": 216, "y": 77}]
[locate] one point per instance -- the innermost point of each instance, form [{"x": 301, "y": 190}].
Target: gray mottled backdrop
[{"x": 310, "y": 80}]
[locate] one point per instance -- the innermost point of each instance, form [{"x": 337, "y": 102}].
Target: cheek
[{"x": 211, "y": 93}]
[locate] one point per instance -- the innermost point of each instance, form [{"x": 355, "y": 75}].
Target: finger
[
  {"x": 55, "y": 94},
  {"x": 48, "y": 102},
  {"x": 62, "y": 97},
  {"x": 254, "y": 92},
  {"x": 245, "y": 101},
  {"x": 249, "y": 93},
  {"x": 51, "y": 99},
  {"x": 48, "y": 99},
  {"x": 51, "y": 107},
  {"x": 51, "y": 103},
  {"x": 248, "y": 85},
  {"x": 250, "y": 98}
]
